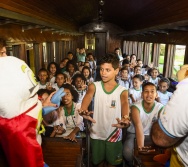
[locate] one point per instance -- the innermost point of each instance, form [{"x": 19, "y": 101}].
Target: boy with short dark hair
[
  {"x": 143, "y": 114},
  {"x": 111, "y": 113}
]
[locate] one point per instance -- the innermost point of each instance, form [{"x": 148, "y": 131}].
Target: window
[
  {"x": 150, "y": 52},
  {"x": 161, "y": 57},
  {"x": 178, "y": 60}
]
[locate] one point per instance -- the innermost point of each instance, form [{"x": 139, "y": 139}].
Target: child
[
  {"x": 49, "y": 119},
  {"x": 137, "y": 70},
  {"x": 135, "y": 92},
  {"x": 124, "y": 79},
  {"x": 60, "y": 80},
  {"x": 79, "y": 82},
  {"x": 72, "y": 121},
  {"x": 163, "y": 95},
  {"x": 53, "y": 69},
  {"x": 63, "y": 64},
  {"x": 87, "y": 74},
  {"x": 43, "y": 78},
  {"x": 111, "y": 112},
  {"x": 154, "y": 79},
  {"x": 71, "y": 69},
  {"x": 93, "y": 64},
  {"x": 143, "y": 114}
]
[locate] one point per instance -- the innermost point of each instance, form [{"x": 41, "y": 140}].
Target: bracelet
[{"x": 126, "y": 117}]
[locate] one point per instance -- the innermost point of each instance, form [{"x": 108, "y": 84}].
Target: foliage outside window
[
  {"x": 161, "y": 57},
  {"x": 178, "y": 60}
]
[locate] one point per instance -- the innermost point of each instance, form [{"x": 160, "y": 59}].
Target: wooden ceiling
[{"x": 74, "y": 17}]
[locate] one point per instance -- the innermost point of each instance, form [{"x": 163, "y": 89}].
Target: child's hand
[
  {"x": 123, "y": 123},
  {"x": 71, "y": 137},
  {"x": 86, "y": 114},
  {"x": 146, "y": 150},
  {"x": 59, "y": 129},
  {"x": 83, "y": 85},
  {"x": 49, "y": 86},
  {"x": 68, "y": 81}
]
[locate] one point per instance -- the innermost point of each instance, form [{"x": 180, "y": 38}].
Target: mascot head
[
  {"x": 183, "y": 72},
  {"x": 18, "y": 87}
]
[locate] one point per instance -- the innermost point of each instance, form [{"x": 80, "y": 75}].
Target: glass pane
[
  {"x": 178, "y": 60},
  {"x": 161, "y": 57}
]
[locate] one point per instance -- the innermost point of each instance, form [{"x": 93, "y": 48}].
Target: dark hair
[
  {"x": 78, "y": 76},
  {"x": 89, "y": 54},
  {"x": 138, "y": 76},
  {"x": 124, "y": 68},
  {"x": 43, "y": 70},
  {"x": 56, "y": 65},
  {"x": 60, "y": 73},
  {"x": 86, "y": 67},
  {"x": 125, "y": 61},
  {"x": 163, "y": 79},
  {"x": 136, "y": 67},
  {"x": 111, "y": 59},
  {"x": 72, "y": 90},
  {"x": 116, "y": 49},
  {"x": 42, "y": 91},
  {"x": 70, "y": 53},
  {"x": 64, "y": 59},
  {"x": 72, "y": 62},
  {"x": 2, "y": 43},
  {"x": 148, "y": 84},
  {"x": 155, "y": 68}
]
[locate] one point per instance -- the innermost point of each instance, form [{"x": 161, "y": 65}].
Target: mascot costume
[{"x": 21, "y": 113}]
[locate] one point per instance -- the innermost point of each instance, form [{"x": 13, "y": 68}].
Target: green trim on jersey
[
  {"x": 138, "y": 89},
  {"x": 151, "y": 108},
  {"x": 135, "y": 107},
  {"x": 110, "y": 91}
]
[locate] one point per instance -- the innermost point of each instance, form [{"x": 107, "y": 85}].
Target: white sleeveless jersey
[
  {"x": 147, "y": 118},
  {"x": 107, "y": 107}
]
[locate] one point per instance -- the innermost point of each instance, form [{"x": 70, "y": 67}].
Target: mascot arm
[{"x": 56, "y": 99}]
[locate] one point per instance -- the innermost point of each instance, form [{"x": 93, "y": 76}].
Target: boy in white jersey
[
  {"x": 111, "y": 113},
  {"x": 143, "y": 114}
]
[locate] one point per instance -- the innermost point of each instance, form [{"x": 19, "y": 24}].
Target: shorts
[{"x": 110, "y": 152}]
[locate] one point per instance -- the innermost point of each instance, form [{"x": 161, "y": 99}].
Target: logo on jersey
[{"x": 113, "y": 104}]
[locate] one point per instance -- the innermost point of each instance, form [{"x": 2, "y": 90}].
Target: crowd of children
[{"x": 123, "y": 83}]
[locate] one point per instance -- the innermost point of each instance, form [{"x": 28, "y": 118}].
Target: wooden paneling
[{"x": 59, "y": 152}]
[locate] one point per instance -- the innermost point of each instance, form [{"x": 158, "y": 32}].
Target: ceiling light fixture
[{"x": 101, "y": 2}]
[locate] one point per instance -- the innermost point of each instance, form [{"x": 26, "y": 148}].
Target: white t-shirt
[
  {"x": 164, "y": 97},
  {"x": 107, "y": 107},
  {"x": 136, "y": 94},
  {"x": 124, "y": 83},
  {"x": 55, "y": 86},
  {"x": 70, "y": 121},
  {"x": 174, "y": 117},
  {"x": 154, "y": 81},
  {"x": 147, "y": 118},
  {"x": 41, "y": 86}
]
